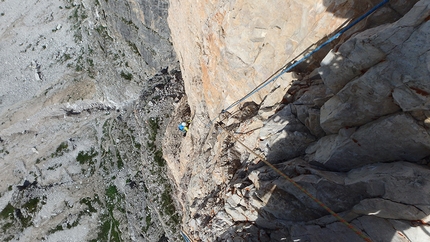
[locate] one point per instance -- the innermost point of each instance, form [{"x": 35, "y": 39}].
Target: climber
[{"x": 183, "y": 127}]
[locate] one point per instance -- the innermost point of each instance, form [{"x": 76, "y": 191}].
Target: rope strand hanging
[{"x": 302, "y": 189}]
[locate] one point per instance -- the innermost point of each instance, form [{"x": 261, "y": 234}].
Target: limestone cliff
[{"x": 351, "y": 125}]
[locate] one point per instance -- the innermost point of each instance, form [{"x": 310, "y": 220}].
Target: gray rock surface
[
  {"x": 359, "y": 102},
  {"x": 284, "y": 136},
  {"x": 80, "y": 156},
  {"x": 400, "y": 81},
  {"x": 387, "y": 209},
  {"x": 396, "y": 137}
]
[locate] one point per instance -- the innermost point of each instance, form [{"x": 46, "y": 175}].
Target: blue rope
[
  {"x": 185, "y": 237},
  {"x": 306, "y": 56}
]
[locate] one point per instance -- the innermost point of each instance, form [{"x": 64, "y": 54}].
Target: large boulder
[
  {"x": 360, "y": 101},
  {"x": 378, "y": 72},
  {"x": 396, "y": 137},
  {"x": 379, "y": 199}
]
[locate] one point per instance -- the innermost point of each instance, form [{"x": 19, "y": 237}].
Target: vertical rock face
[
  {"x": 226, "y": 48},
  {"x": 347, "y": 126},
  {"x": 143, "y": 26}
]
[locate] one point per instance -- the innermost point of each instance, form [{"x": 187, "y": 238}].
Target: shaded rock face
[
  {"x": 143, "y": 26},
  {"x": 348, "y": 130},
  {"x": 397, "y": 84},
  {"x": 284, "y": 136}
]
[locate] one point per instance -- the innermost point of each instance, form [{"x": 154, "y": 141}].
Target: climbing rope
[
  {"x": 337, "y": 216},
  {"x": 290, "y": 67},
  {"x": 185, "y": 236}
]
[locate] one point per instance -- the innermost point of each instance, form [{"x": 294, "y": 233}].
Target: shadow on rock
[
  {"x": 379, "y": 199},
  {"x": 382, "y": 200}
]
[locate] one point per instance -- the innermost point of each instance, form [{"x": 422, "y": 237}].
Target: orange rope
[{"x": 337, "y": 216}]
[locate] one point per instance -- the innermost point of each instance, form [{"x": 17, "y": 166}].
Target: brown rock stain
[
  {"x": 356, "y": 141},
  {"x": 420, "y": 91}
]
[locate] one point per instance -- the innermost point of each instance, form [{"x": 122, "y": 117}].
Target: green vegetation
[
  {"x": 31, "y": 208},
  {"x": 111, "y": 193},
  {"x": 7, "y": 212},
  {"x": 54, "y": 166},
  {"x": 87, "y": 157},
  {"x": 77, "y": 15},
  {"x": 6, "y": 227},
  {"x": 119, "y": 162},
  {"x": 67, "y": 57},
  {"x": 63, "y": 146},
  {"x": 136, "y": 144},
  {"x": 110, "y": 225},
  {"x": 154, "y": 126},
  {"x": 79, "y": 64},
  {"x": 158, "y": 158},
  {"x": 90, "y": 62},
  {"x": 153, "y": 131},
  {"x": 129, "y": 23},
  {"x": 4, "y": 151},
  {"x": 78, "y": 36},
  {"x": 106, "y": 159},
  {"x": 134, "y": 48},
  {"x": 119, "y": 145},
  {"x": 148, "y": 220},
  {"x": 168, "y": 205},
  {"x": 31, "y": 205},
  {"x": 127, "y": 76},
  {"x": 87, "y": 201},
  {"x": 61, "y": 149},
  {"x": 165, "y": 199},
  {"x": 102, "y": 30},
  {"x": 106, "y": 129},
  {"x": 59, "y": 227},
  {"x": 87, "y": 211}
]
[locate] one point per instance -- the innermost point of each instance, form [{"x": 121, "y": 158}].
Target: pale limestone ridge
[{"x": 353, "y": 130}]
